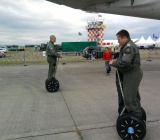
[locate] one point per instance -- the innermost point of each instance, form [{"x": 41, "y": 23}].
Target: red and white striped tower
[{"x": 95, "y": 30}]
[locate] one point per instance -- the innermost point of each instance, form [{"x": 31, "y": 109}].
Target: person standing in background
[{"x": 107, "y": 56}]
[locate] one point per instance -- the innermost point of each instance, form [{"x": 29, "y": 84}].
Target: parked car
[
  {"x": 13, "y": 49},
  {"x": 94, "y": 52},
  {"x": 3, "y": 50},
  {"x": 2, "y": 55},
  {"x": 141, "y": 47},
  {"x": 149, "y": 47}
]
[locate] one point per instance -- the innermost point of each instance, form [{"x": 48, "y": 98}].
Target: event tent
[
  {"x": 157, "y": 43},
  {"x": 150, "y": 41},
  {"x": 141, "y": 42}
]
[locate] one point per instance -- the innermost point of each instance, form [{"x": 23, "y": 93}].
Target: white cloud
[{"x": 33, "y": 21}]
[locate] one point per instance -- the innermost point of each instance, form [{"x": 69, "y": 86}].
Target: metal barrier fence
[
  {"x": 144, "y": 54},
  {"x": 150, "y": 54},
  {"x": 23, "y": 57}
]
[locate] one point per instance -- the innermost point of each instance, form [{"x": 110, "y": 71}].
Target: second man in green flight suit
[{"x": 128, "y": 64}]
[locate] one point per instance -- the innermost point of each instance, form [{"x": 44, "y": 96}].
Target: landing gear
[{"x": 52, "y": 85}]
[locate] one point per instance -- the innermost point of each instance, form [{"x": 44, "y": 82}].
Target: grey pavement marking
[{"x": 78, "y": 131}]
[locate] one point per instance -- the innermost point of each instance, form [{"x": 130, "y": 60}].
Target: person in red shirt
[{"x": 107, "y": 56}]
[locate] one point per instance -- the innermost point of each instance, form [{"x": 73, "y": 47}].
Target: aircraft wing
[{"x": 136, "y": 8}]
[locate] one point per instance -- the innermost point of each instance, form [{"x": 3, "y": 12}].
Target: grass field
[{"x": 30, "y": 56}]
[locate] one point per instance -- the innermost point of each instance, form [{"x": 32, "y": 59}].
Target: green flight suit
[
  {"x": 128, "y": 64},
  {"x": 52, "y": 55}
]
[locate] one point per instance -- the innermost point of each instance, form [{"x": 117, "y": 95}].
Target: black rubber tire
[
  {"x": 131, "y": 127},
  {"x": 52, "y": 85}
]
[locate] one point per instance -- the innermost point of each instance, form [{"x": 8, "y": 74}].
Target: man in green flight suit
[
  {"x": 52, "y": 55},
  {"x": 128, "y": 64}
]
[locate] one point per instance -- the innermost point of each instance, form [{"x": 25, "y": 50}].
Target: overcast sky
[{"x": 33, "y": 21}]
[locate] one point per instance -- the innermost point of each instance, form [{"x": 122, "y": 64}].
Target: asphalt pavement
[{"x": 84, "y": 108}]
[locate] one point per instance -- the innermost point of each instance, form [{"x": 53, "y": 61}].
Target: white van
[{"x": 3, "y": 49}]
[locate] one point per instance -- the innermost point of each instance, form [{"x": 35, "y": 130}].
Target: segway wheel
[
  {"x": 52, "y": 85},
  {"x": 130, "y": 127}
]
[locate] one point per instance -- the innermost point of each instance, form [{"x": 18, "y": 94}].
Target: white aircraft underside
[{"x": 136, "y": 8}]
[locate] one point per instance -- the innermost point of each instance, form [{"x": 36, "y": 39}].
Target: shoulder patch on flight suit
[
  {"x": 128, "y": 50},
  {"x": 51, "y": 48},
  {"x": 128, "y": 44}
]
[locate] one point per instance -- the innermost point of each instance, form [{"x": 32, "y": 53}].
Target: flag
[
  {"x": 79, "y": 33},
  {"x": 154, "y": 36}
]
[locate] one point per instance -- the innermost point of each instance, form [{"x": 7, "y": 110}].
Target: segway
[
  {"x": 52, "y": 85},
  {"x": 129, "y": 126}
]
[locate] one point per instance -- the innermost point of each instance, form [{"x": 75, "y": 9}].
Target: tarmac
[{"x": 84, "y": 108}]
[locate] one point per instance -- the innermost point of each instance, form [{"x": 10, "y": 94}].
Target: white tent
[
  {"x": 141, "y": 42},
  {"x": 150, "y": 41},
  {"x": 157, "y": 43}
]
